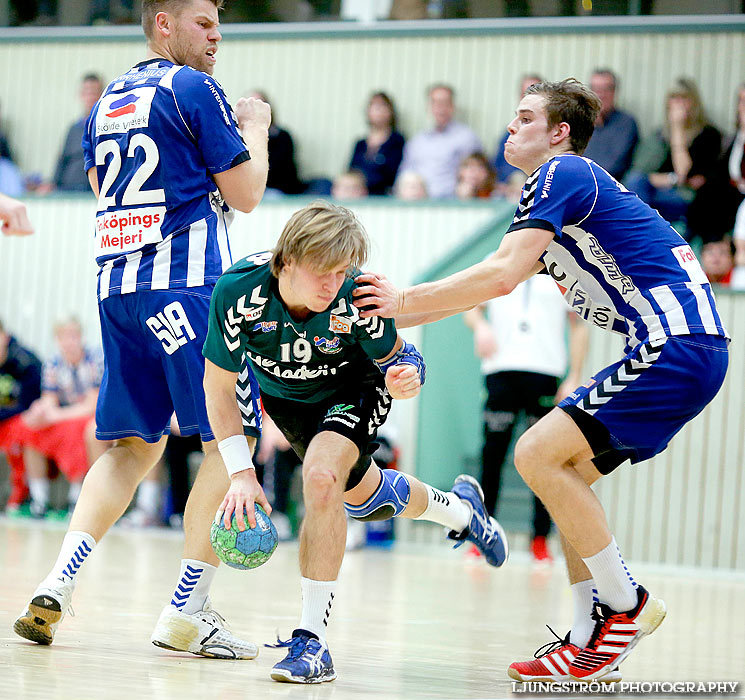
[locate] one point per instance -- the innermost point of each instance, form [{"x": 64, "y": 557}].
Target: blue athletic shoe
[
  {"x": 307, "y": 661},
  {"x": 484, "y": 531}
]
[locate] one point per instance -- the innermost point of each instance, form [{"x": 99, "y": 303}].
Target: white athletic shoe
[
  {"x": 44, "y": 613},
  {"x": 204, "y": 633}
]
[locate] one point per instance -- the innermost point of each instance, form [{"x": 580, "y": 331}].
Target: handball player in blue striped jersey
[
  {"x": 621, "y": 267},
  {"x": 169, "y": 160}
]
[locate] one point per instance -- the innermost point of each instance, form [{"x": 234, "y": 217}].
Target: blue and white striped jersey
[
  {"x": 156, "y": 137},
  {"x": 618, "y": 263}
]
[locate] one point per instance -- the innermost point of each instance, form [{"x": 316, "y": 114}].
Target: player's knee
[
  {"x": 525, "y": 459},
  {"x": 389, "y": 499},
  {"x": 320, "y": 485}
]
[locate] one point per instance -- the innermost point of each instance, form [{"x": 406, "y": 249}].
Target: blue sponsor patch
[{"x": 266, "y": 326}]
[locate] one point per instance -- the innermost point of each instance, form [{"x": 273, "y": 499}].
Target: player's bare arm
[
  {"x": 225, "y": 419},
  {"x": 516, "y": 259},
  {"x": 14, "y": 218},
  {"x": 243, "y": 186}
]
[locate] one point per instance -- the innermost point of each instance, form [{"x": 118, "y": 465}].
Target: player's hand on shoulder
[
  {"x": 244, "y": 491},
  {"x": 375, "y": 295},
  {"x": 253, "y": 112},
  {"x": 402, "y": 381}
]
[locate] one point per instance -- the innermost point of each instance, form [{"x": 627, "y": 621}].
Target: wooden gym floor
[{"x": 417, "y": 621}]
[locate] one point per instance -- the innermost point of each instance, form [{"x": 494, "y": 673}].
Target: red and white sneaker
[
  {"x": 616, "y": 634},
  {"x": 551, "y": 664}
]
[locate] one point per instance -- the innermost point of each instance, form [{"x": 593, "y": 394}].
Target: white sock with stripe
[
  {"x": 584, "y": 595},
  {"x": 193, "y": 586},
  {"x": 445, "y": 509},
  {"x": 75, "y": 549},
  {"x": 318, "y": 596},
  {"x": 615, "y": 586}
]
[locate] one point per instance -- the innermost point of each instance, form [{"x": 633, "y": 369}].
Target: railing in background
[{"x": 52, "y": 273}]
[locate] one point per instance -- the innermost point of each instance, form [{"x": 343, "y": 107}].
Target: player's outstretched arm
[
  {"x": 516, "y": 259},
  {"x": 14, "y": 218},
  {"x": 225, "y": 420},
  {"x": 243, "y": 186}
]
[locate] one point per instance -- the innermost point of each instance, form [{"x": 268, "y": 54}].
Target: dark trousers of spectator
[{"x": 509, "y": 394}]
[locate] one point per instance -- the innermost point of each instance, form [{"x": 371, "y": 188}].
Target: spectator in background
[
  {"x": 379, "y": 154},
  {"x": 674, "y": 162},
  {"x": 20, "y": 386},
  {"x": 349, "y": 185},
  {"x": 410, "y": 186},
  {"x": 61, "y": 423},
  {"x": 616, "y": 134},
  {"x": 527, "y": 341},
  {"x": 283, "y": 175},
  {"x": 718, "y": 260},
  {"x": 70, "y": 175},
  {"x": 112, "y": 12},
  {"x": 476, "y": 177},
  {"x": 510, "y": 179},
  {"x": 437, "y": 153},
  {"x": 714, "y": 211}
]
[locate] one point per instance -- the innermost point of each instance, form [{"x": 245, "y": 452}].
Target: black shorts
[{"x": 355, "y": 411}]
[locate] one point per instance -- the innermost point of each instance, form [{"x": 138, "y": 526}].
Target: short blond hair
[
  {"x": 321, "y": 235},
  {"x": 150, "y": 8}
]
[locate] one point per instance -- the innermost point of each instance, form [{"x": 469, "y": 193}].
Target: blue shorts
[
  {"x": 153, "y": 366},
  {"x": 632, "y": 409}
]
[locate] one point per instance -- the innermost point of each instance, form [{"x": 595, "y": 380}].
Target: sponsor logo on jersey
[
  {"x": 606, "y": 263},
  {"x": 549, "y": 179},
  {"x": 128, "y": 229},
  {"x": 326, "y": 345},
  {"x": 172, "y": 327},
  {"x": 119, "y": 113},
  {"x": 124, "y": 106},
  {"x": 301, "y": 373},
  {"x": 266, "y": 326},
  {"x": 689, "y": 262},
  {"x": 219, "y": 101},
  {"x": 338, "y": 324}
]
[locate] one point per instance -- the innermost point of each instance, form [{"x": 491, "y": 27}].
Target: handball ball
[{"x": 247, "y": 549}]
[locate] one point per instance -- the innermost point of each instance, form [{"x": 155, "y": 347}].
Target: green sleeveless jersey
[{"x": 298, "y": 360}]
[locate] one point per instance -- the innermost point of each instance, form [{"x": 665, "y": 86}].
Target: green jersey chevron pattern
[{"x": 297, "y": 360}]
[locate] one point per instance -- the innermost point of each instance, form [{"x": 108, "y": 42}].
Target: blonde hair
[
  {"x": 321, "y": 235},
  {"x": 686, "y": 88}
]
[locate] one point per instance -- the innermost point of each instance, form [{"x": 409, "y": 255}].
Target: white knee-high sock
[
  {"x": 584, "y": 596},
  {"x": 193, "y": 586},
  {"x": 615, "y": 585},
  {"x": 445, "y": 509},
  {"x": 74, "y": 551},
  {"x": 318, "y": 596}
]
